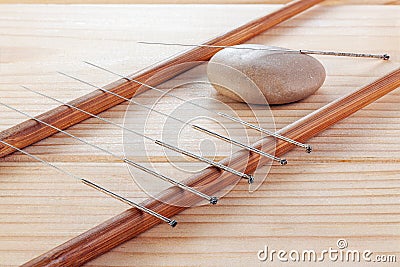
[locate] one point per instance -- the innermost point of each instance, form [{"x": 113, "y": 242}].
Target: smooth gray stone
[{"x": 281, "y": 76}]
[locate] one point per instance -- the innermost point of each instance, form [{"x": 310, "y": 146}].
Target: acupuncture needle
[
  {"x": 196, "y": 127},
  {"x": 301, "y": 51},
  {"x": 212, "y": 200},
  {"x": 99, "y": 188},
  {"x": 222, "y": 114}
]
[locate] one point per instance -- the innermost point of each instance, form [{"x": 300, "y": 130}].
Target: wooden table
[{"x": 347, "y": 188}]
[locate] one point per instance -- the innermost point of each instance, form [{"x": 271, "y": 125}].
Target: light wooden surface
[
  {"x": 347, "y": 188},
  {"x": 329, "y": 2}
]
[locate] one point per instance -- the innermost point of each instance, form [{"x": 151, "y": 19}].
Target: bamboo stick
[
  {"x": 132, "y": 222},
  {"x": 30, "y": 131}
]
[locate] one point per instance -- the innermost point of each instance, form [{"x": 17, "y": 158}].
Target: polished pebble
[{"x": 275, "y": 76}]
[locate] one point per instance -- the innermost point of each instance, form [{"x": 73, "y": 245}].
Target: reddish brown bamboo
[
  {"x": 30, "y": 131},
  {"x": 132, "y": 222}
]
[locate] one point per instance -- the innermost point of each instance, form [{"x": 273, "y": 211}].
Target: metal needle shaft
[
  {"x": 255, "y": 127},
  {"x": 213, "y": 163},
  {"x": 302, "y": 51},
  {"x": 255, "y": 150},
  {"x": 99, "y": 188}
]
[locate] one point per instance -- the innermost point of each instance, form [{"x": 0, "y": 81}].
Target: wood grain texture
[
  {"x": 330, "y": 2},
  {"x": 349, "y": 189}
]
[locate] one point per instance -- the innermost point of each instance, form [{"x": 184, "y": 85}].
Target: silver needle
[
  {"x": 173, "y": 223},
  {"x": 216, "y": 164},
  {"x": 255, "y": 150},
  {"x": 301, "y": 51},
  {"x": 255, "y": 127}
]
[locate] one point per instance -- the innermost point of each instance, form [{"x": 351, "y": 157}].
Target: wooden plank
[
  {"x": 330, "y": 2},
  {"x": 347, "y": 188}
]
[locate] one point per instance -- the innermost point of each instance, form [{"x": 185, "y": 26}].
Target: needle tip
[
  {"x": 213, "y": 200},
  {"x": 173, "y": 223},
  {"x": 283, "y": 161},
  {"x": 386, "y": 57}
]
